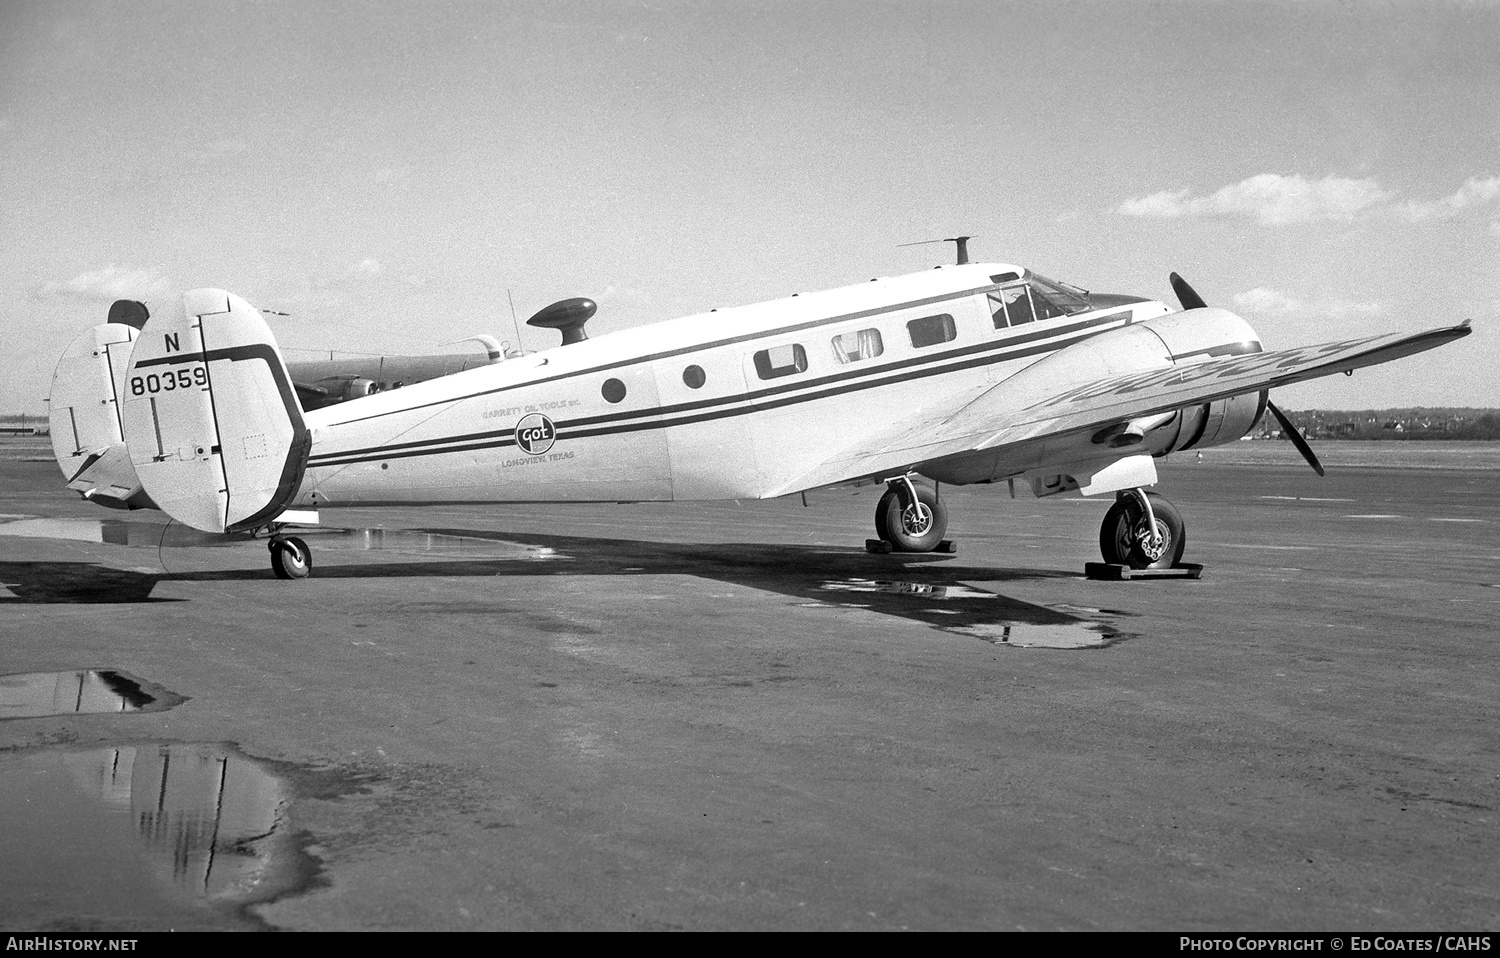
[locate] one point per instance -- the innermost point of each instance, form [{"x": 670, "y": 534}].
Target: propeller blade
[
  {"x": 1295, "y": 437},
  {"x": 1186, "y": 295}
]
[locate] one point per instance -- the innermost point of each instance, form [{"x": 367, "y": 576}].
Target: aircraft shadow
[
  {"x": 74, "y": 582},
  {"x": 929, "y": 589}
]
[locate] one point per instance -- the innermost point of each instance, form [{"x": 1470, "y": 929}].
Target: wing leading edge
[{"x": 1020, "y": 408}]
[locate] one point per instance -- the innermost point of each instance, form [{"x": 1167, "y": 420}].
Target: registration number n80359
[{"x": 168, "y": 381}]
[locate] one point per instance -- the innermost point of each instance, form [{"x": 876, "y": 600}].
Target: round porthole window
[
  {"x": 613, "y": 390},
  {"x": 694, "y": 377}
]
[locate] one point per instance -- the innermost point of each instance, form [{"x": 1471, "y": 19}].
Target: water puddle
[
  {"x": 141, "y": 837},
  {"x": 81, "y": 691}
]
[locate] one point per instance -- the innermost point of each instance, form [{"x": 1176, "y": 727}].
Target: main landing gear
[
  {"x": 1142, "y": 530},
  {"x": 911, "y": 517},
  {"x": 290, "y": 557}
]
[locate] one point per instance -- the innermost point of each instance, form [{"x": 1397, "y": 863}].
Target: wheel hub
[
  {"x": 1153, "y": 547},
  {"x": 916, "y": 519}
]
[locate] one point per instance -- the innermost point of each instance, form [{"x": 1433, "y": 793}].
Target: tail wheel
[
  {"x": 1125, "y": 540},
  {"x": 911, "y": 526},
  {"x": 290, "y": 558}
]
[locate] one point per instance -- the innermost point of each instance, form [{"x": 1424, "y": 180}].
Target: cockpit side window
[{"x": 1011, "y": 306}]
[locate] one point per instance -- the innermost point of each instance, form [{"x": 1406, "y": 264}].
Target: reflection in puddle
[
  {"x": 155, "y": 535},
  {"x": 429, "y": 543},
  {"x": 908, "y": 588},
  {"x": 138, "y": 831},
  {"x": 994, "y": 618},
  {"x": 1083, "y": 635},
  {"x": 33, "y": 694},
  {"x": 109, "y": 531}
]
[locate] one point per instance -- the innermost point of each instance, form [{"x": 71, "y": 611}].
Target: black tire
[
  {"x": 912, "y": 529},
  {"x": 1119, "y": 545},
  {"x": 290, "y": 558}
]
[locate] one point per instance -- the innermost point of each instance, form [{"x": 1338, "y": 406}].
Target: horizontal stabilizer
[{"x": 211, "y": 418}]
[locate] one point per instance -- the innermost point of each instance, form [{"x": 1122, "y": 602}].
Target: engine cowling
[{"x": 1218, "y": 422}]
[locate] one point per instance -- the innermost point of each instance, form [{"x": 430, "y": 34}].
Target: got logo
[{"x": 535, "y": 434}]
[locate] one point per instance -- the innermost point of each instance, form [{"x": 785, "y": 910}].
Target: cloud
[
  {"x": 1275, "y": 200},
  {"x": 623, "y": 294},
  {"x": 1273, "y": 303},
  {"x": 363, "y": 271},
  {"x": 1269, "y": 198},
  {"x": 1474, "y": 192},
  {"x": 108, "y": 284}
]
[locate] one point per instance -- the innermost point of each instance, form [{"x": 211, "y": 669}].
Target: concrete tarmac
[{"x": 729, "y": 716}]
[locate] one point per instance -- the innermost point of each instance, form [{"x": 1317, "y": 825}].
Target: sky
[{"x": 394, "y": 175}]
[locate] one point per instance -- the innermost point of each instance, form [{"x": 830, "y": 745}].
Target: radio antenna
[
  {"x": 962, "y": 242},
  {"x": 513, "y": 321}
]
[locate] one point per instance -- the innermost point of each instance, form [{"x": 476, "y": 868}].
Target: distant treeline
[{"x": 1425, "y": 423}]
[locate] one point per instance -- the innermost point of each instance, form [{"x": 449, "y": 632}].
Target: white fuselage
[{"x": 733, "y": 403}]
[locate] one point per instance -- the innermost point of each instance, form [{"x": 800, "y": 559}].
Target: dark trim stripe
[{"x": 802, "y": 391}]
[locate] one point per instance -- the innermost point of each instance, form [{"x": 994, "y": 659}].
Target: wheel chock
[
  {"x": 882, "y": 547},
  {"x": 1111, "y": 572}
]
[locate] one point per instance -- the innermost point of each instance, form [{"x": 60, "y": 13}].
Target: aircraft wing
[{"x": 1015, "y": 411}]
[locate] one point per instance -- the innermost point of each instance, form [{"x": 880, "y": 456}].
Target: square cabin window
[
  {"x": 932, "y": 330},
  {"x": 781, "y": 361},
  {"x": 853, "y": 347}
]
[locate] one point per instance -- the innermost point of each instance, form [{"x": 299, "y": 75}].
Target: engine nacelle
[
  {"x": 1197, "y": 335},
  {"x": 1177, "y": 339}
]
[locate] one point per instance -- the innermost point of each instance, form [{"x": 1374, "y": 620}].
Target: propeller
[
  {"x": 1190, "y": 299},
  {"x": 1186, "y": 295},
  {"x": 1296, "y": 438}
]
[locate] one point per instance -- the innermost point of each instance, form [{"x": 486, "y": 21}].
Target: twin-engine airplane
[{"x": 972, "y": 373}]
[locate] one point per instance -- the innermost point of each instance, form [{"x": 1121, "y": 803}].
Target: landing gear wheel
[
  {"x": 1124, "y": 538},
  {"x": 290, "y": 558},
  {"x": 911, "y": 527}
]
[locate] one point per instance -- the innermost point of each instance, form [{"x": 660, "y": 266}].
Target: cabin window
[
  {"x": 853, "y": 347},
  {"x": 613, "y": 390},
  {"x": 694, "y": 377},
  {"x": 781, "y": 361},
  {"x": 1011, "y": 306},
  {"x": 932, "y": 330}
]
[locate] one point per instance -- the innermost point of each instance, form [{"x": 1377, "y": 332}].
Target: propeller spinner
[{"x": 1190, "y": 299}]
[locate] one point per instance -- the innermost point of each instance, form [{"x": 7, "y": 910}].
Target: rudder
[
  {"x": 85, "y": 418},
  {"x": 211, "y": 418}
]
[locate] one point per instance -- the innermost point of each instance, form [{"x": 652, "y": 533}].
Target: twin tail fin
[{"x": 210, "y": 417}]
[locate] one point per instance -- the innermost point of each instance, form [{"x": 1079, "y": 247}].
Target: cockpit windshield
[{"x": 1035, "y": 297}]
